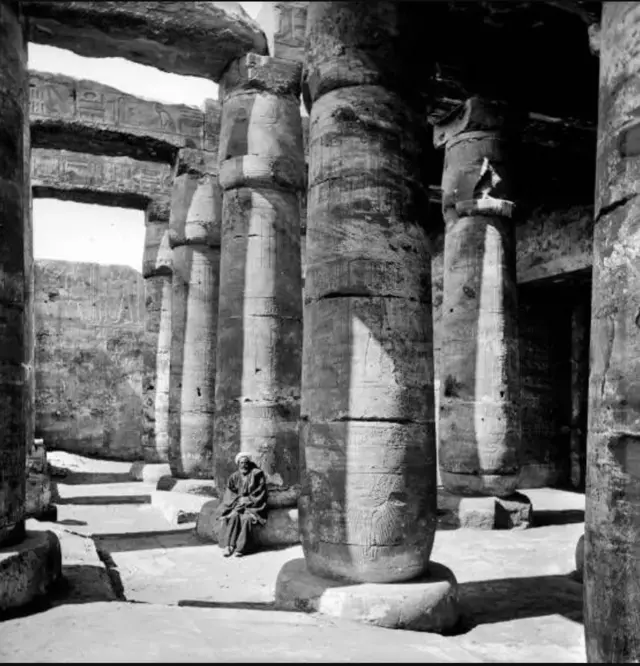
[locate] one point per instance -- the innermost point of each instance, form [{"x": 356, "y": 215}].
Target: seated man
[{"x": 243, "y": 506}]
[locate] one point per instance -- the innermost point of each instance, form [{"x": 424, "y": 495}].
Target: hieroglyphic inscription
[
  {"x": 62, "y": 169},
  {"x": 55, "y": 97}
]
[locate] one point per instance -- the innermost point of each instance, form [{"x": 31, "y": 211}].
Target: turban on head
[{"x": 243, "y": 454}]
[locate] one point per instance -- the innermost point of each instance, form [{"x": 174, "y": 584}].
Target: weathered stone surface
[
  {"x": 193, "y": 39},
  {"x": 260, "y": 325},
  {"x": 206, "y": 487},
  {"x": 38, "y": 495},
  {"x": 579, "y": 558},
  {"x": 284, "y": 24},
  {"x": 281, "y": 528},
  {"x": 89, "y": 358},
  {"x": 612, "y": 528},
  {"x": 29, "y": 570},
  {"x": 367, "y": 398},
  {"x": 429, "y": 603},
  {"x": 67, "y": 113},
  {"x": 179, "y": 507},
  {"x": 157, "y": 358},
  {"x": 118, "y": 181},
  {"x": 479, "y": 428},
  {"x": 485, "y": 513},
  {"x": 580, "y": 322},
  {"x": 157, "y": 256},
  {"x": 196, "y": 249},
  {"x": 149, "y": 472},
  {"x": 15, "y": 392}
]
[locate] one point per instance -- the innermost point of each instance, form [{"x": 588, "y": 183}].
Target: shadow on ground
[
  {"x": 130, "y": 541},
  {"x": 71, "y": 478},
  {"x": 564, "y": 517},
  {"x": 241, "y": 605},
  {"x": 503, "y": 600},
  {"x": 105, "y": 499}
]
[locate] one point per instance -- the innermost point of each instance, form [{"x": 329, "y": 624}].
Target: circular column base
[
  {"x": 514, "y": 512},
  {"x": 149, "y": 472},
  {"x": 29, "y": 569},
  {"x": 429, "y": 603}
]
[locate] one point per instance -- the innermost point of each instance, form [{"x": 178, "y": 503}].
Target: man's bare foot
[
  {"x": 238, "y": 554},
  {"x": 228, "y": 552}
]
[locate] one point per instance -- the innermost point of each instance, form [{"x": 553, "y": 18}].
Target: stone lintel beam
[
  {"x": 187, "y": 38},
  {"x": 86, "y": 178},
  {"x": 284, "y": 24},
  {"x": 86, "y": 116}
]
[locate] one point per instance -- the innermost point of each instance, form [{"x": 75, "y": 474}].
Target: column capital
[
  {"x": 261, "y": 73},
  {"x": 476, "y": 115}
]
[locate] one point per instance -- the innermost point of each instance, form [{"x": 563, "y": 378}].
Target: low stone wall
[{"x": 90, "y": 345}]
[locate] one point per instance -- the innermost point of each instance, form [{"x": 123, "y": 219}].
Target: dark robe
[{"x": 244, "y": 505}]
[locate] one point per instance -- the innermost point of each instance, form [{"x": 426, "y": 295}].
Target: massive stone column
[
  {"x": 368, "y": 497},
  {"x": 260, "y": 315},
  {"x": 579, "y": 392},
  {"x": 157, "y": 271},
  {"x": 14, "y": 278},
  {"x": 612, "y": 525},
  {"x": 195, "y": 239},
  {"x": 479, "y": 424},
  {"x": 29, "y": 562}
]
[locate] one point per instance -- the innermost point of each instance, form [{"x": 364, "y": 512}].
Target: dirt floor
[{"x": 138, "y": 588}]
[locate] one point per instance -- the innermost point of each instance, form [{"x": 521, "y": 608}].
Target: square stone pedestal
[
  {"x": 281, "y": 528},
  {"x": 28, "y": 570},
  {"x": 180, "y": 500},
  {"x": 485, "y": 513},
  {"x": 149, "y": 472},
  {"x": 429, "y": 603}
]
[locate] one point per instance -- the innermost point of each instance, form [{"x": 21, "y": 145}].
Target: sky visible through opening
[{"x": 103, "y": 234}]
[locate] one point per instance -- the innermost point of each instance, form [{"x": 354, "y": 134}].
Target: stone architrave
[
  {"x": 479, "y": 419},
  {"x": 368, "y": 496},
  {"x": 157, "y": 272},
  {"x": 194, "y": 237},
  {"x": 612, "y": 525},
  {"x": 260, "y": 315},
  {"x": 15, "y": 402}
]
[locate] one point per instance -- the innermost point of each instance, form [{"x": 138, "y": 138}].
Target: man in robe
[{"x": 244, "y": 505}]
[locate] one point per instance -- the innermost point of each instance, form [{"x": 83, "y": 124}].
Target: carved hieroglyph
[
  {"x": 368, "y": 496},
  {"x": 14, "y": 390},
  {"x": 612, "y": 526},
  {"x": 479, "y": 426},
  {"x": 66, "y": 170},
  {"x": 195, "y": 239},
  {"x": 56, "y": 100},
  {"x": 260, "y": 324}
]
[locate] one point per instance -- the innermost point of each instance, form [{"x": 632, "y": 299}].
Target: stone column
[
  {"x": 14, "y": 275},
  {"x": 157, "y": 271},
  {"x": 479, "y": 426},
  {"x": 579, "y": 392},
  {"x": 195, "y": 240},
  {"x": 368, "y": 497},
  {"x": 260, "y": 316},
  {"x": 612, "y": 525}
]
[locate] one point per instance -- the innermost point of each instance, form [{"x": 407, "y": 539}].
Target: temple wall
[{"x": 89, "y": 358}]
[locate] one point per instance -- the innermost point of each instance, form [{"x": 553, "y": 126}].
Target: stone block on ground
[
  {"x": 149, "y": 472},
  {"x": 281, "y": 528},
  {"x": 29, "y": 570},
  {"x": 429, "y": 603},
  {"x": 179, "y": 507},
  {"x": 579, "y": 572},
  {"x": 203, "y": 487},
  {"x": 485, "y": 513},
  {"x": 38, "y": 495}
]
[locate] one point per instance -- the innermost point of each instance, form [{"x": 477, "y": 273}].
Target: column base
[
  {"x": 579, "y": 572},
  {"x": 29, "y": 569},
  {"x": 149, "y": 472},
  {"x": 429, "y": 603},
  {"x": 485, "y": 513},
  {"x": 281, "y": 528}
]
